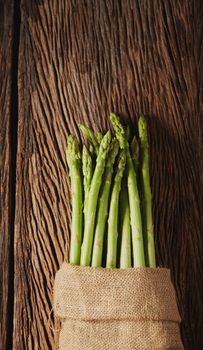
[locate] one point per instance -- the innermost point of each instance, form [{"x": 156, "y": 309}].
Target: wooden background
[{"x": 62, "y": 62}]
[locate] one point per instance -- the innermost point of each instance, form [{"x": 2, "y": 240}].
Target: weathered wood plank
[
  {"x": 78, "y": 61},
  {"x": 6, "y": 42}
]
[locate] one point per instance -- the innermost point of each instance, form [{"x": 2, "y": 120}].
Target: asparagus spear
[
  {"x": 125, "y": 254},
  {"x": 135, "y": 215},
  {"x": 87, "y": 169},
  {"x": 113, "y": 213},
  {"x": 103, "y": 206},
  {"x": 147, "y": 201},
  {"x": 91, "y": 137},
  {"x": 134, "y": 201},
  {"x": 135, "y": 153},
  {"x": 92, "y": 200},
  {"x": 125, "y": 247},
  {"x": 74, "y": 163}
]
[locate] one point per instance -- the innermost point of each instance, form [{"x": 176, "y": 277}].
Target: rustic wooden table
[{"x": 62, "y": 62}]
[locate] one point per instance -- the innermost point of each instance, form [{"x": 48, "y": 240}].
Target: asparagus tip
[
  {"x": 83, "y": 128},
  {"x": 142, "y": 128},
  {"x": 119, "y": 130},
  {"x": 134, "y": 148},
  {"x": 72, "y": 150},
  {"x": 86, "y": 157}
]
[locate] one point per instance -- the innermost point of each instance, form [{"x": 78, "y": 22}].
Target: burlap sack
[{"x": 107, "y": 309}]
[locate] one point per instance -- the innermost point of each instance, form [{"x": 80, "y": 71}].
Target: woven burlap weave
[{"x": 107, "y": 309}]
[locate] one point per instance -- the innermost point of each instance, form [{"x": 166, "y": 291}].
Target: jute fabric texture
[{"x": 121, "y": 309}]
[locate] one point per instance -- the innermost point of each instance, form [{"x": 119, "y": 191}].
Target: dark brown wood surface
[
  {"x": 6, "y": 248},
  {"x": 79, "y": 60}
]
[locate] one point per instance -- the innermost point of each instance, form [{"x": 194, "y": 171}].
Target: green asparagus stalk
[
  {"x": 135, "y": 153},
  {"x": 103, "y": 206},
  {"x": 87, "y": 169},
  {"x": 134, "y": 201},
  {"x": 125, "y": 254},
  {"x": 73, "y": 157},
  {"x": 135, "y": 215},
  {"x": 125, "y": 241},
  {"x": 147, "y": 200},
  {"x": 91, "y": 137},
  {"x": 86, "y": 250},
  {"x": 113, "y": 213}
]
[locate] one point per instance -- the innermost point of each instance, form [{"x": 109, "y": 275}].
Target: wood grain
[
  {"x": 78, "y": 61},
  {"x": 6, "y": 248}
]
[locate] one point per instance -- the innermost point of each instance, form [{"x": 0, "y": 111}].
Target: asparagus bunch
[{"x": 106, "y": 198}]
